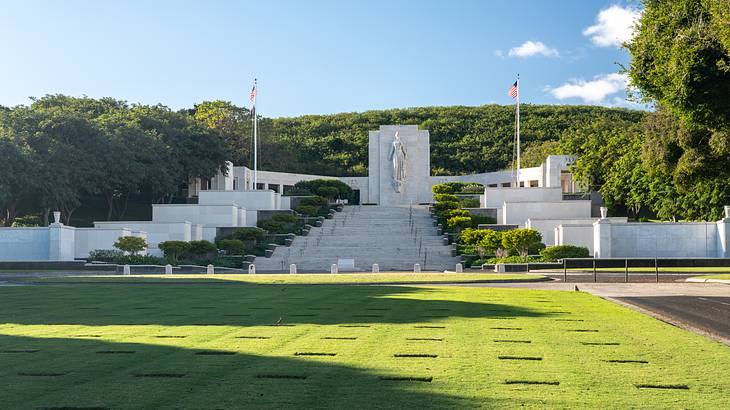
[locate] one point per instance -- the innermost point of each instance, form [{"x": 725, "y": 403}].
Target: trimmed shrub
[
  {"x": 174, "y": 250},
  {"x": 131, "y": 244},
  {"x": 343, "y": 190},
  {"x": 554, "y": 253},
  {"x": 470, "y": 203},
  {"x": 308, "y": 210},
  {"x": 314, "y": 201},
  {"x": 522, "y": 241},
  {"x": 445, "y": 206},
  {"x": 445, "y": 198},
  {"x": 247, "y": 234},
  {"x": 201, "y": 249},
  {"x": 139, "y": 260},
  {"x": 105, "y": 255},
  {"x": 329, "y": 192},
  {"x": 491, "y": 241},
  {"x": 231, "y": 246},
  {"x": 458, "y": 223},
  {"x": 471, "y": 236},
  {"x": 285, "y": 218},
  {"x": 296, "y": 191},
  {"x": 473, "y": 188}
]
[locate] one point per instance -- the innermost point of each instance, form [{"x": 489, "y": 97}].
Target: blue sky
[{"x": 316, "y": 57}]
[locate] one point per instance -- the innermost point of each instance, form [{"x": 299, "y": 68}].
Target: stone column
[
  {"x": 723, "y": 233},
  {"x": 602, "y": 238}
]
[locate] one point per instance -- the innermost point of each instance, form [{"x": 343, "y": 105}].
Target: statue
[{"x": 398, "y": 156}]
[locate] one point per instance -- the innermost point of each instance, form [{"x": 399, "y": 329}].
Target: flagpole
[
  {"x": 255, "y": 137},
  {"x": 518, "y": 130}
]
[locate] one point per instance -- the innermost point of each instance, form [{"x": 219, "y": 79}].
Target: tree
[
  {"x": 131, "y": 244},
  {"x": 174, "y": 250},
  {"x": 521, "y": 241}
]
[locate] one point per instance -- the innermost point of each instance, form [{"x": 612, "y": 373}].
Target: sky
[{"x": 317, "y": 57}]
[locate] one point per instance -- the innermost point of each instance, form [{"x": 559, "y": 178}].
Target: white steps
[{"x": 395, "y": 238}]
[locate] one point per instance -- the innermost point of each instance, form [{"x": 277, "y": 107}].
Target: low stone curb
[{"x": 700, "y": 280}]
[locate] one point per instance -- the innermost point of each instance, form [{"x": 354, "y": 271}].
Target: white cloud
[
  {"x": 532, "y": 48},
  {"x": 499, "y": 53},
  {"x": 594, "y": 91},
  {"x": 615, "y": 26}
]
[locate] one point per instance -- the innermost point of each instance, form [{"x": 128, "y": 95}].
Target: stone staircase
[{"x": 395, "y": 238}]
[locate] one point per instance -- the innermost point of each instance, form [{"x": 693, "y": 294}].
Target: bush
[
  {"x": 131, "y": 244},
  {"x": 510, "y": 259},
  {"x": 139, "y": 260},
  {"x": 445, "y": 198},
  {"x": 473, "y": 188},
  {"x": 445, "y": 206},
  {"x": 200, "y": 249},
  {"x": 329, "y": 192},
  {"x": 295, "y": 191},
  {"x": 247, "y": 234},
  {"x": 231, "y": 246},
  {"x": 174, "y": 250},
  {"x": 554, "y": 253},
  {"x": 491, "y": 241},
  {"x": 471, "y": 236},
  {"x": 285, "y": 217},
  {"x": 308, "y": 210},
  {"x": 522, "y": 241},
  {"x": 314, "y": 201},
  {"x": 458, "y": 223},
  {"x": 343, "y": 190},
  {"x": 470, "y": 203},
  {"x": 105, "y": 255}
]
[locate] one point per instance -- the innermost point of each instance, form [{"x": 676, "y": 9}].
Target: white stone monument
[{"x": 399, "y": 169}]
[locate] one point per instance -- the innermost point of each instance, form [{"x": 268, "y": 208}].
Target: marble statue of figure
[{"x": 398, "y": 156}]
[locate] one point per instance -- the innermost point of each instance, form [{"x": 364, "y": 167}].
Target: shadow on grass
[
  {"x": 242, "y": 305},
  {"x": 72, "y": 373}
]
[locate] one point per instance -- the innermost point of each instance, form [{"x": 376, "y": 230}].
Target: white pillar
[
  {"x": 723, "y": 231},
  {"x": 333, "y": 268},
  {"x": 126, "y": 270},
  {"x": 209, "y": 269},
  {"x": 459, "y": 268},
  {"x": 376, "y": 268},
  {"x": 417, "y": 268},
  {"x": 252, "y": 269},
  {"x": 602, "y": 238},
  {"x": 168, "y": 269},
  {"x": 293, "y": 268}
]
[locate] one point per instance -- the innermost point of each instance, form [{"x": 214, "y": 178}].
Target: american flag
[
  {"x": 514, "y": 91},
  {"x": 252, "y": 97}
]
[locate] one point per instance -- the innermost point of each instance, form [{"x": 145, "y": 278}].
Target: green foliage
[
  {"x": 554, "y": 253},
  {"x": 535, "y": 154},
  {"x": 174, "y": 250},
  {"x": 308, "y": 210},
  {"x": 281, "y": 223},
  {"x": 139, "y": 260},
  {"x": 131, "y": 244},
  {"x": 295, "y": 191},
  {"x": 522, "y": 241},
  {"x": 316, "y": 201},
  {"x": 328, "y": 192},
  {"x": 445, "y": 206},
  {"x": 472, "y": 188},
  {"x": 445, "y": 198},
  {"x": 470, "y": 203},
  {"x": 491, "y": 240},
  {"x": 472, "y": 237},
  {"x": 247, "y": 234},
  {"x": 343, "y": 190},
  {"x": 105, "y": 255},
  {"x": 200, "y": 248},
  {"x": 510, "y": 259},
  {"x": 231, "y": 246},
  {"x": 458, "y": 223}
]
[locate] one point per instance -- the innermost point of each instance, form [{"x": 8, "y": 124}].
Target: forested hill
[{"x": 463, "y": 139}]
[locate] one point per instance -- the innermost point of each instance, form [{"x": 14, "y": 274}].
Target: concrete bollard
[
  {"x": 209, "y": 269},
  {"x": 168, "y": 269},
  {"x": 459, "y": 268},
  {"x": 126, "y": 270},
  {"x": 417, "y": 268},
  {"x": 251, "y": 269},
  {"x": 376, "y": 268},
  {"x": 293, "y": 268},
  {"x": 333, "y": 268}
]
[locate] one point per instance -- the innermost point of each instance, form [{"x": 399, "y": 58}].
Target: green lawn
[
  {"x": 215, "y": 345},
  {"x": 342, "y": 278}
]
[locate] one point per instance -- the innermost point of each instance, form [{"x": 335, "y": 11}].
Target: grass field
[
  {"x": 312, "y": 279},
  {"x": 217, "y": 345}
]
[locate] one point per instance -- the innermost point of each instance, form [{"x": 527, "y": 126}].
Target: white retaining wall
[
  {"x": 157, "y": 231},
  {"x": 547, "y": 227},
  {"x": 203, "y": 214},
  {"x": 517, "y": 213},
  {"x": 89, "y": 239}
]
